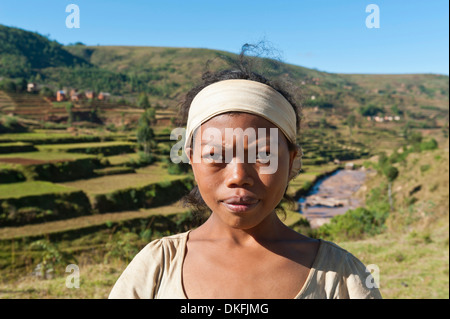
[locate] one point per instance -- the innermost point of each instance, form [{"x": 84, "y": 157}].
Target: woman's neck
[{"x": 269, "y": 230}]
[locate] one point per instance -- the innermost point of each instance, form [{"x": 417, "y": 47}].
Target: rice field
[
  {"x": 31, "y": 188},
  {"x": 105, "y": 184}
]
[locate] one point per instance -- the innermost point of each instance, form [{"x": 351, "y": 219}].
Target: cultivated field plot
[
  {"x": 144, "y": 176},
  {"x": 39, "y": 157},
  {"x": 52, "y": 175},
  {"x": 105, "y": 148},
  {"x": 32, "y": 188}
]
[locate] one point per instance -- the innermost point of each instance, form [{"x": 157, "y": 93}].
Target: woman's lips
[{"x": 240, "y": 204}]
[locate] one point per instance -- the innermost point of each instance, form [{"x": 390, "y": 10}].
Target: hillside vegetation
[
  {"x": 90, "y": 181},
  {"x": 412, "y": 253}
]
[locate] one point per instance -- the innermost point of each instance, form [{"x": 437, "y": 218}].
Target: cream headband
[{"x": 249, "y": 97}]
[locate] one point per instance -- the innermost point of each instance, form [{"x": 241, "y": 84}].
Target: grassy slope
[
  {"x": 185, "y": 65},
  {"x": 413, "y": 253}
]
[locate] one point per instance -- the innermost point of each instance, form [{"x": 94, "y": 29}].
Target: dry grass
[
  {"x": 96, "y": 282},
  {"x": 413, "y": 254},
  {"x": 413, "y": 265}
]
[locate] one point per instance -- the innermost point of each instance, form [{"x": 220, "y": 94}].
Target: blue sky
[{"x": 329, "y": 35}]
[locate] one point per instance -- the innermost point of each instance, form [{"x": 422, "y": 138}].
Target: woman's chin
[{"x": 242, "y": 220}]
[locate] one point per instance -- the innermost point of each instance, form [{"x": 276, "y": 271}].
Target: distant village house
[
  {"x": 103, "y": 96},
  {"x": 90, "y": 95},
  {"x": 75, "y": 95},
  {"x": 60, "y": 95},
  {"x": 32, "y": 87},
  {"x": 381, "y": 119}
]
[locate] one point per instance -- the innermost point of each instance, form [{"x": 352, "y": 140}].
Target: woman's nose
[{"x": 239, "y": 174}]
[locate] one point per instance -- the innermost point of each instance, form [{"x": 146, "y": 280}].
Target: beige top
[{"x": 156, "y": 273}]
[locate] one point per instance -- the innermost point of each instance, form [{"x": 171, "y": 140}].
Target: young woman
[{"x": 243, "y": 250}]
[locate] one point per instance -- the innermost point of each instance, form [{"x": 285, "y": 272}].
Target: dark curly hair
[{"x": 242, "y": 67}]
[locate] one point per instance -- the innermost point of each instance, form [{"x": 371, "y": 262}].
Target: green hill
[
  {"x": 24, "y": 53},
  {"x": 421, "y": 101}
]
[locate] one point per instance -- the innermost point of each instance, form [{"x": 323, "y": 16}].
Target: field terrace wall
[
  {"x": 55, "y": 139},
  {"x": 19, "y": 211},
  {"x": 105, "y": 148},
  {"x": 152, "y": 195},
  {"x": 43, "y": 208},
  {"x": 6, "y": 148},
  {"x": 10, "y": 175},
  {"x": 65, "y": 170}
]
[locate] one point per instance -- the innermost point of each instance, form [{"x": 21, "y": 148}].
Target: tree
[
  {"x": 145, "y": 134},
  {"x": 46, "y": 92},
  {"x": 150, "y": 114},
  {"x": 143, "y": 101},
  {"x": 395, "y": 109},
  {"x": 406, "y": 130},
  {"x": 8, "y": 85},
  {"x": 391, "y": 173},
  {"x": 21, "y": 85},
  {"x": 370, "y": 110},
  {"x": 351, "y": 123},
  {"x": 69, "y": 107}
]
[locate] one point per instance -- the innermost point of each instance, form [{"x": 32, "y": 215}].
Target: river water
[{"x": 332, "y": 195}]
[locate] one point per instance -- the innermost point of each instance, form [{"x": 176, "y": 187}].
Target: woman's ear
[
  {"x": 295, "y": 162},
  {"x": 189, "y": 153},
  {"x": 292, "y": 156}
]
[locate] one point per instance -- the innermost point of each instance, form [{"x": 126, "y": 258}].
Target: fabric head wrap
[{"x": 249, "y": 97}]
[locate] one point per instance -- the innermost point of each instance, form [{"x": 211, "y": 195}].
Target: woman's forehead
[
  {"x": 238, "y": 120},
  {"x": 231, "y": 128}
]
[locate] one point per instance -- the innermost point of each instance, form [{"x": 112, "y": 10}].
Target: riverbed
[{"x": 332, "y": 195}]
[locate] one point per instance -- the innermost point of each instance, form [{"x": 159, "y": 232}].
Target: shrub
[
  {"x": 42, "y": 208},
  {"x": 65, "y": 171},
  {"x": 151, "y": 195},
  {"x": 16, "y": 148},
  {"x": 51, "y": 258},
  {"x": 425, "y": 168},
  {"x": 8, "y": 85},
  {"x": 354, "y": 224},
  {"x": 123, "y": 246},
  {"x": 371, "y": 110},
  {"x": 178, "y": 169},
  {"x": 429, "y": 145},
  {"x": 11, "y": 176}
]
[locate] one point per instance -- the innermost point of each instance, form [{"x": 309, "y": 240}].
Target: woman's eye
[
  {"x": 264, "y": 156},
  {"x": 212, "y": 157}
]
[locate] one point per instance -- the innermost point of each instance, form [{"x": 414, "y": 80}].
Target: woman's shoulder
[
  {"x": 162, "y": 248},
  {"x": 333, "y": 257},
  {"x": 142, "y": 276},
  {"x": 349, "y": 271}
]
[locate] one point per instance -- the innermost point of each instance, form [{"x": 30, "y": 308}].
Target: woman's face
[{"x": 235, "y": 188}]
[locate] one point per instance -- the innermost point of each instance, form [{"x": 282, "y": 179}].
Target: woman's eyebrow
[
  {"x": 251, "y": 144},
  {"x": 211, "y": 144}
]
